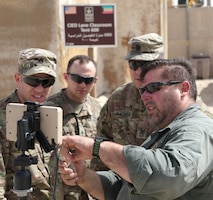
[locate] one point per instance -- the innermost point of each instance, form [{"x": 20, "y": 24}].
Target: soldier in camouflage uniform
[
  {"x": 80, "y": 112},
  {"x": 35, "y": 77},
  {"x": 123, "y": 118}
]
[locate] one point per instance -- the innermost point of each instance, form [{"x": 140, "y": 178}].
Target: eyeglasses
[
  {"x": 80, "y": 79},
  {"x": 34, "y": 82},
  {"x": 156, "y": 86},
  {"x": 134, "y": 65}
]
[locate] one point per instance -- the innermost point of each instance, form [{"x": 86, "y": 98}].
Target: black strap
[{"x": 77, "y": 123}]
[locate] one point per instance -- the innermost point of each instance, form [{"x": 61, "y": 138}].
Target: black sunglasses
[
  {"x": 34, "y": 82},
  {"x": 156, "y": 86},
  {"x": 134, "y": 65},
  {"x": 80, "y": 79}
]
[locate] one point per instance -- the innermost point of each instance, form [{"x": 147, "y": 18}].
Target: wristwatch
[{"x": 96, "y": 146}]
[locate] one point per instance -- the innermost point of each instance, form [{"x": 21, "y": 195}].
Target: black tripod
[{"x": 28, "y": 128}]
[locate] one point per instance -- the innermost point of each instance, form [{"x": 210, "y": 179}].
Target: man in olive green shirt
[{"x": 175, "y": 162}]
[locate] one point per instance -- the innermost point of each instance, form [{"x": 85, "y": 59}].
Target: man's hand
[
  {"x": 75, "y": 148},
  {"x": 79, "y": 148},
  {"x": 67, "y": 174},
  {"x": 72, "y": 174}
]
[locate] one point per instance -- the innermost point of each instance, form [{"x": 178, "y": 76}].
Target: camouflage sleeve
[
  {"x": 2, "y": 175},
  {"x": 2, "y": 163},
  {"x": 104, "y": 129},
  {"x": 104, "y": 124}
]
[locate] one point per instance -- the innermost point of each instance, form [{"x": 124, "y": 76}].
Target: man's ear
[
  {"x": 17, "y": 78},
  {"x": 65, "y": 76},
  {"x": 185, "y": 86}
]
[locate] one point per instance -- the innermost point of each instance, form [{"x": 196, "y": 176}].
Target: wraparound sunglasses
[
  {"x": 34, "y": 81},
  {"x": 156, "y": 86},
  {"x": 80, "y": 79},
  {"x": 134, "y": 65}
]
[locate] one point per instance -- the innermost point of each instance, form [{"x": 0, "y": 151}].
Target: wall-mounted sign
[{"x": 90, "y": 25}]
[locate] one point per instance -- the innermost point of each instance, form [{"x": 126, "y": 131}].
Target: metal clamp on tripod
[{"x": 28, "y": 129}]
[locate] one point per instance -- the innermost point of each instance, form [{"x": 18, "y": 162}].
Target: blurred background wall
[{"x": 38, "y": 23}]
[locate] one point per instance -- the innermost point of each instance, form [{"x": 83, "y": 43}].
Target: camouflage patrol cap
[
  {"x": 146, "y": 47},
  {"x": 34, "y": 60}
]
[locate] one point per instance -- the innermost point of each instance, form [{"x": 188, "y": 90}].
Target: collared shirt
[{"x": 176, "y": 165}]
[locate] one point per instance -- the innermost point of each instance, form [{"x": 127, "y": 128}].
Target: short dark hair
[
  {"x": 82, "y": 59},
  {"x": 175, "y": 69}
]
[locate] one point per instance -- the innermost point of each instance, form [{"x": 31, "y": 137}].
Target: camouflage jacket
[
  {"x": 123, "y": 118},
  {"x": 39, "y": 172},
  {"x": 78, "y": 119}
]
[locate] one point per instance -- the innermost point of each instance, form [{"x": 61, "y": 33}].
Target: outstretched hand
[{"x": 75, "y": 148}]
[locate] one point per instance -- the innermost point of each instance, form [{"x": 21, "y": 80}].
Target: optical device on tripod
[{"x": 26, "y": 123}]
